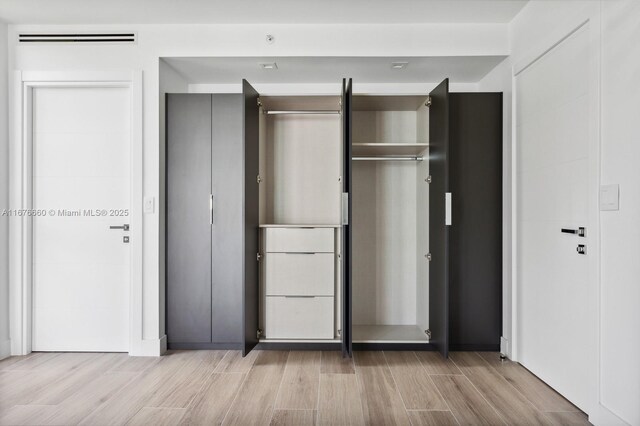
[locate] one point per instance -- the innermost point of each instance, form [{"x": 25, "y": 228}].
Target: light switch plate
[
  {"x": 149, "y": 204},
  {"x": 610, "y": 197}
]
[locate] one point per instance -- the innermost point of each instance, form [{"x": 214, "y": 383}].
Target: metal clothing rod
[
  {"x": 388, "y": 158},
  {"x": 303, "y": 112}
]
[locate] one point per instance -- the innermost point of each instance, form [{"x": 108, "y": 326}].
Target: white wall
[
  {"x": 170, "y": 81},
  {"x": 156, "y": 41},
  {"x": 538, "y": 26},
  {"x": 620, "y": 231},
  {"x": 499, "y": 80},
  {"x": 5, "y": 346}
]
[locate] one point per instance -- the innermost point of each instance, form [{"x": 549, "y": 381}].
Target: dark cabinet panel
[
  {"x": 188, "y": 230},
  {"x": 226, "y": 219},
  {"x": 475, "y": 158},
  {"x": 346, "y": 256},
  {"x": 250, "y": 292},
  {"x": 438, "y": 230}
]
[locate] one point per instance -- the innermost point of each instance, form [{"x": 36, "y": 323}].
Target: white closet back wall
[
  {"x": 299, "y": 188},
  {"x": 390, "y": 223},
  {"x": 384, "y": 240}
]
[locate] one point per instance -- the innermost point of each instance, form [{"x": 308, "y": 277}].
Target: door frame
[
  {"x": 591, "y": 24},
  {"x": 21, "y": 192}
]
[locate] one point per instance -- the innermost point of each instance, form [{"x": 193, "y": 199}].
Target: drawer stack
[{"x": 299, "y": 273}]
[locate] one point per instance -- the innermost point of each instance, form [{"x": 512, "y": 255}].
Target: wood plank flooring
[{"x": 277, "y": 388}]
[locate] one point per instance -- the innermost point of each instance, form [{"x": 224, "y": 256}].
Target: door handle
[
  {"x": 210, "y": 209},
  {"x": 124, "y": 227},
  {"x": 344, "y": 201},
  {"x": 580, "y": 232}
]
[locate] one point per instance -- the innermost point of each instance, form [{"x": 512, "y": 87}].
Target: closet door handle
[
  {"x": 210, "y": 209},
  {"x": 299, "y": 252},
  {"x": 345, "y": 208},
  {"x": 447, "y": 208},
  {"x": 300, "y": 297}
]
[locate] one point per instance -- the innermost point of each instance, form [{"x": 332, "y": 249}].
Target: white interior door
[
  {"x": 555, "y": 333},
  {"x": 81, "y": 185}
]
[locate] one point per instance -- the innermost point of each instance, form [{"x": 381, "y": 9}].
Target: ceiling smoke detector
[
  {"x": 399, "y": 65},
  {"x": 269, "y": 66}
]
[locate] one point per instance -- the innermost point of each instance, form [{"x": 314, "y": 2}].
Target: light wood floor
[{"x": 276, "y": 387}]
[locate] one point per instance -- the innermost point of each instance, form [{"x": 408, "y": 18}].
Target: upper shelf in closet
[
  {"x": 301, "y": 103},
  {"x": 388, "y": 102},
  {"x": 385, "y": 149}
]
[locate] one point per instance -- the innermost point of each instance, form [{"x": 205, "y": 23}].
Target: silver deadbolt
[
  {"x": 581, "y": 249},
  {"x": 125, "y": 239}
]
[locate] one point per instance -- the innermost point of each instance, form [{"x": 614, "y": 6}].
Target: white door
[
  {"x": 555, "y": 328},
  {"x": 81, "y": 181}
]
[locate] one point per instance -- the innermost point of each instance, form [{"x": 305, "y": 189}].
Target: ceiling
[
  {"x": 257, "y": 11},
  {"x": 220, "y": 70}
]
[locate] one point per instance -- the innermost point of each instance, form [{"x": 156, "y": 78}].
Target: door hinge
[
  {"x": 258, "y": 257},
  {"x": 428, "y": 333},
  {"x": 428, "y": 179},
  {"x": 428, "y": 256},
  {"x": 258, "y": 333},
  {"x": 258, "y": 179},
  {"x": 428, "y": 102},
  {"x": 339, "y": 332},
  {"x": 259, "y": 102}
]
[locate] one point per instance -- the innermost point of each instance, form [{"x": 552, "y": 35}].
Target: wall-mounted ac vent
[{"x": 77, "y": 38}]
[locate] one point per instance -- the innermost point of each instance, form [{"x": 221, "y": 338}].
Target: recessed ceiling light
[
  {"x": 399, "y": 65},
  {"x": 269, "y": 66}
]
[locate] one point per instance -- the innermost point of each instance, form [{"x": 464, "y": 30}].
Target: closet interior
[
  {"x": 300, "y": 218},
  {"x": 390, "y": 281}
]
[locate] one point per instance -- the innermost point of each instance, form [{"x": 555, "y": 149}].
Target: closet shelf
[{"x": 376, "y": 149}]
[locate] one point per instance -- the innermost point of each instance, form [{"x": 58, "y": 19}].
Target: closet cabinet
[
  {"x": 299, "y": 282},
  {"x": 209, "y": 214},
  {"x": 335, "y": 222}
]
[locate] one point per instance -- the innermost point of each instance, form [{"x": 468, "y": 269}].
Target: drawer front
[
  {"x": 298, "y": 317},
  {"x": 313, "y": 240},
  {"x": 299, "y": 274}
]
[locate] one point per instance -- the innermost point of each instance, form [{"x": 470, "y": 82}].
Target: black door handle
[{"x": 580, "y": 231}]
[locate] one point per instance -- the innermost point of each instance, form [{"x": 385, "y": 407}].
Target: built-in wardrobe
[{"x": 334, "y": 222}]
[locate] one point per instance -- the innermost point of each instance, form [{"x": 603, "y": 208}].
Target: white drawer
[
  {"x": 298, "y": 317},
  {"x": 299, "y": 240},
  {"x": 299, "y": 274}
]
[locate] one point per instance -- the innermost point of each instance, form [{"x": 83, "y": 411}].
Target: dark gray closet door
[
  {"x": 250, "y": 292},
  {"x": 475, "y": 269},
  {"x": 438, "y": 230},
  {"x": 347, "y": 343},
  {"x": 226, "y": 219},
  {"x": 188, "y": 153}
]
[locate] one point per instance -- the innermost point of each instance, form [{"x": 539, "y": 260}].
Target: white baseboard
[
  {"x": 601, "y": 416},
  {"x": 151, "y": 347},
  {"x": 5, "y": 349},
  {"x": 505, "y": 348}
]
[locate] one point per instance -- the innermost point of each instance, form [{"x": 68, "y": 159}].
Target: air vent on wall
[{"x": 77, "y": 38}]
